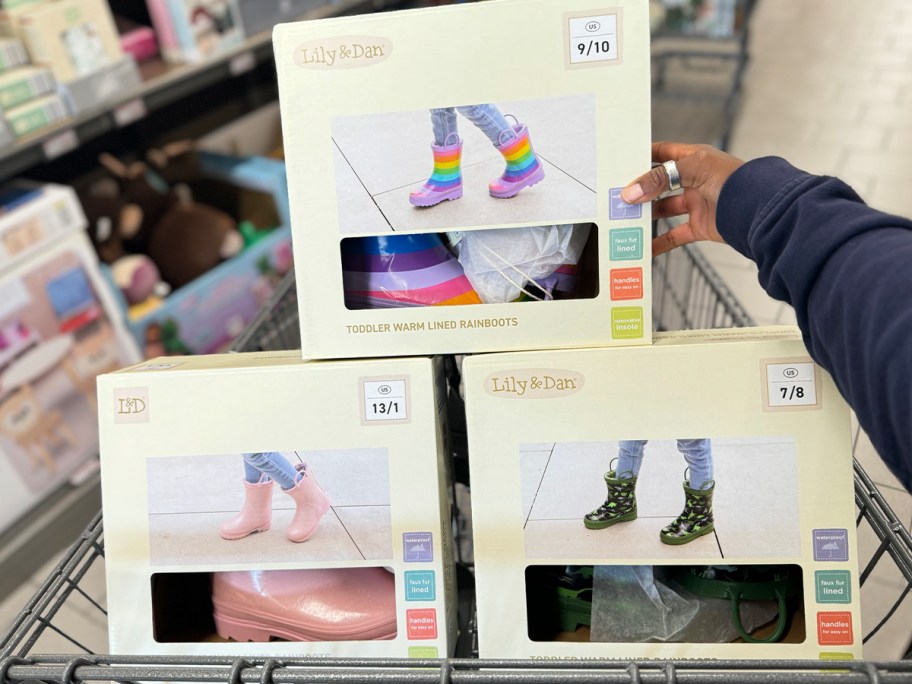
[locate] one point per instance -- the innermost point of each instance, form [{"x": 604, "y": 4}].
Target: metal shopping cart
[{"x": 699, "y": 297}]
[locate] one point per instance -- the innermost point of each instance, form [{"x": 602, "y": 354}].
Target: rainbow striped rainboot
[
  {"x": 445, "y": 182},
  {"x": 399, "y": 270},
  {"x": 523, "y": 167}
]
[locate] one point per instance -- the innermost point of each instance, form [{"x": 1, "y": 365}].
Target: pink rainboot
[
  {"x": 338, "y": 604},
  {"x": 445, "y": 182},
  {"x": 523, "y": 167},
  {"x": 255, "y": 515},
  {"x": 312, "y": 503}
]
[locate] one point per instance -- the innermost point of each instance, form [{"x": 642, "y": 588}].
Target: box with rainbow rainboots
[
  {"x": 259, "y": 505},
  {"x": 455, "y": 176},
  {"x": 691, "y": 499}
]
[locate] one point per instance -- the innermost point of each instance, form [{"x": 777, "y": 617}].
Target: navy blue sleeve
[{"x": 847, "y": 271}]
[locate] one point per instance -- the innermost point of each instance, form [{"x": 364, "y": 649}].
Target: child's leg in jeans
[
  {"x": 272, "y": 465},
  {"x": 630, "y": 457},
  {"x": 490, "y": 121},
  {"x": 443, "y": 123},
  {"x": 698, "y": 454}
]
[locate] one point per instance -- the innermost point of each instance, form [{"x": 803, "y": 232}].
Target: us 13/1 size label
[
  {"x": 791, "y": 385},
  {"x": 384, "y": 400},
  {"x": 593, "y": 39}
]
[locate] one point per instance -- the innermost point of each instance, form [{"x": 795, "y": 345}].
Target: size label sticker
[
  {"x": 384, "y": 400},
  {"x": 592, "y": 39},
  {"x": 791, "y": 384}
]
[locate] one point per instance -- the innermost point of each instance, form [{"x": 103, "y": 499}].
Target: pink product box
[{"x": 140, "y": 43}]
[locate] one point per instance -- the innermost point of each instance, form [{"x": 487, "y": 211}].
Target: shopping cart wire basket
[{"x": 699, "y": 298}]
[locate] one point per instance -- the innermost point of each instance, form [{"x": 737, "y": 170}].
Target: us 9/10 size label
[
  {"x": 384, "y": 400},
  {"x": 593, "y": 39}
]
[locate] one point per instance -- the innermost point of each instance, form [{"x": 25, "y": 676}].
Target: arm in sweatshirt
[{"x": 847, "y": 270}]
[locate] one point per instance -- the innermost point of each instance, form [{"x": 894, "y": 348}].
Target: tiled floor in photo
[
  {"x": 564, "y": 482},
  {"x": 191, "y": 496},
  {"x": 380, "y": 158}
]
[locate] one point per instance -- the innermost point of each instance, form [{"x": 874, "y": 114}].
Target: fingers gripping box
[
  {"x": 255, "y": 504},
  {"x": 692, "y": 499},
  {"x": 455, "y": 176}
]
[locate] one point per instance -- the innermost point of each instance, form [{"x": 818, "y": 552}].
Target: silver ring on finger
[{"x": 674, "y": 178}]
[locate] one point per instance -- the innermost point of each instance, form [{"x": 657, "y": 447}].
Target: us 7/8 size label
[{"x": 790, "y": 384}]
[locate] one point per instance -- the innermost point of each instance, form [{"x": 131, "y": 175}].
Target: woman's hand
[{"x": 703, "y": 170}]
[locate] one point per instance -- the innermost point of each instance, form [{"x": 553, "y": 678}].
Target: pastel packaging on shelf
[
  {"x": 432, "y": 234},
  {"x": 263, "y": 15},
  {"x": 26, "y": 83},
  {"x": 353, "y": 559},
  {"x": 73, "y": 38},
  {"x": 195, "y": 30},
  {"x": 36, "y": 115},
  {"x": 59, "y": 328},
  {"x": 12, "y": 54},
  {"x": 744, "y": 488}
]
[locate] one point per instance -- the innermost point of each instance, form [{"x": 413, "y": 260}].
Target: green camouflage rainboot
[
  {"x": 696, "y": 519},
  {"x": 620, "y": 506}
]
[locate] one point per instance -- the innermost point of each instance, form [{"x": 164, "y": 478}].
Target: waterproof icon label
[
  {"x": 619, "y": 210},
  {"x": 417, "y": 547},
  {"x": 831, "y": 545}
]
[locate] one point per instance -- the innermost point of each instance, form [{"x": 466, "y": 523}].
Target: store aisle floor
[{"x": 829, "y": 87}]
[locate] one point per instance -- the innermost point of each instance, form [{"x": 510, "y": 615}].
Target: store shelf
[{"x": 163, "y": 85}]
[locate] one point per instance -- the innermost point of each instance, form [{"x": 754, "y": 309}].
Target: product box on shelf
[
  {"x": 194, "y": 30},
  {"x": 689, "y": 499},
  {"x": 442, "y": 199},
  {"x": 238, "y": 509},
  {"x": 59, "y": 328},
  {"x": 24, "y": 84},
  {"x": 73, "y": 38},
  {"x": 12, "y": 53},
  {"x": 36, "y": 115},
  {"x": 262, "y": 15}
]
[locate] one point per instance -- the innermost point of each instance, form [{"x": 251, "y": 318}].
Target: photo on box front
[
  {"x": 668, "y": 499},
  {"x": 269, "y": 506},
  {"x": 464, "y": 165}
]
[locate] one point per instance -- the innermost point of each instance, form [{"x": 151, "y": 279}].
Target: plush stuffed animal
[
  {"x": 111, "y": 220},
  {"x": 183, "y": 238},
  {"x": 191, "y": 239}
]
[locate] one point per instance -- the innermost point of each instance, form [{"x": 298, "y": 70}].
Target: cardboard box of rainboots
[
  {"x": 621, "y": 498},
  {"x": 256, "y": 504},
  {"x": 467, "y": 198}
]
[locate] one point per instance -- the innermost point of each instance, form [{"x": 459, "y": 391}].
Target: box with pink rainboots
[
  {"x": 455, "y": 176},
  {"x": 689, "y": 499},
  {"x": 258, "y": 504}
]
